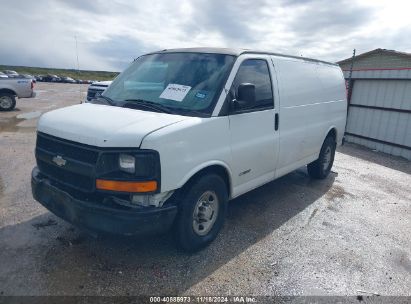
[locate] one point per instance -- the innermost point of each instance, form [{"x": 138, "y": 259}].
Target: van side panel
[{"x": 312, "y": 102}]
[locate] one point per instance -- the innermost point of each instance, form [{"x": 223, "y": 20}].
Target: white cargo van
[{"x": 181, "y": 132}]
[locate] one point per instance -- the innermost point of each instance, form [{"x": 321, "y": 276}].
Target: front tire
[
  {"x": 320, "y": 168},
  {"x": 7, "y": 102},
  {"x": 202, "y": 212}
]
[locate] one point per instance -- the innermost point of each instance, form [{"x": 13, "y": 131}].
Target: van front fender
[{"x": 204, "y": 166}]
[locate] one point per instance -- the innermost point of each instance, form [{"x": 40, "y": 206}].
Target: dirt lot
[{"x": 348, "y": 234}]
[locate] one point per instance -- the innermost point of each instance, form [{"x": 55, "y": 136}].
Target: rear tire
[
  {"x": 320, "y": 168},
  {"x": 7, "y": 102},
  {"x": 202, "y": 212}
]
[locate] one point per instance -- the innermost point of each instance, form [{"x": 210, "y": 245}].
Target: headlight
[
  {"x": 135, "y": 166},
  {"x": 127, "y": 163}
]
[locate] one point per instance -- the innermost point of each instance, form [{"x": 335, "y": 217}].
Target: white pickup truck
[
  {"x": 181, "y": 132},
  {"x": 10, "y": 88}
]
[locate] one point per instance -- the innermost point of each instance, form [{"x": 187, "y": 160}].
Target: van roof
[{"x": 234, "y": 52}]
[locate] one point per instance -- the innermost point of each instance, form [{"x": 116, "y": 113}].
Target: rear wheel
[
  {"x": 321, "y": 167},
  {"x": 202, "y": 212},
  {"x": 7, "y": 102}
]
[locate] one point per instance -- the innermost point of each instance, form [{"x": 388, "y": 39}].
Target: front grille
[
  {"x": 80, "y": 162},
  {"x": 80, "y": 182},
  {"x": 66, "y": 148},
  {"x": 91, "y": 93}
]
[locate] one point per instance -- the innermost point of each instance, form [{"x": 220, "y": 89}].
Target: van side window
[{"x": 255, "y": 72}]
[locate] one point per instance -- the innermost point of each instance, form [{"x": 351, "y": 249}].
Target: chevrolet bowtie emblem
[{"x": 59, "y": 161}]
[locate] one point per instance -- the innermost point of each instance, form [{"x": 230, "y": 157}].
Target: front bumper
[{"x": 97, "y": 217}]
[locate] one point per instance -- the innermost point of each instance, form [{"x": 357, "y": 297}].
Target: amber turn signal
[{"x": 123, "y": 186}]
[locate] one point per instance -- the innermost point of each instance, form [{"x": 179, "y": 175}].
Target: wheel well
[
  {"x": 216, "y": 169},
  {"x": 332, "y": 133},
  {"x": 7, "y": 91}
]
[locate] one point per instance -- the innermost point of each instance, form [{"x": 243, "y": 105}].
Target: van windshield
[{"x": 180, "y": 83}]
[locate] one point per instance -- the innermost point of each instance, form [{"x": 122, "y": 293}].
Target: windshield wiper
[
  {"x": 193, "y": 112},
  {"x": 136, "y": 103},
  {"x": 108, "y": 99}
]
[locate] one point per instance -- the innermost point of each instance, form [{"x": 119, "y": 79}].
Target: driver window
[{"x": 255, "y": 71}]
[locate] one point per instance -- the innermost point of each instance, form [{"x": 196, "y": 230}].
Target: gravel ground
[{"x": 348, "y": 234}]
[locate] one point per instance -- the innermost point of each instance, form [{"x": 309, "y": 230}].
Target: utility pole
[
  {"x": 350, "y": 82},
  {"x": 78, "y": 68}
]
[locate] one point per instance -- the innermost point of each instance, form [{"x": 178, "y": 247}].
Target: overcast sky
[{"x": 111, "y": 33}]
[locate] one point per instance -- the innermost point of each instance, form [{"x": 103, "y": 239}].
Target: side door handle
[{"x": 276, "y": 121}]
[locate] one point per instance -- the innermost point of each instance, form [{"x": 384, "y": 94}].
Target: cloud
[
  {"x": 96, "y": 7},
  {"x": 232, "y": 19},
  {"x": 328, "y": 18},
  {"x": 119, "y": 50},
  {"x": 111, "y": 34}
]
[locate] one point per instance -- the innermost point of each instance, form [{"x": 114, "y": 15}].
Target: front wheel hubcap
[
  {"x": 205, "y": 213},
  {"x": 5, "y": 102}
]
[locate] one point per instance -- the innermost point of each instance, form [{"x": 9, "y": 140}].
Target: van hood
[{"x": 104, "y": 126}]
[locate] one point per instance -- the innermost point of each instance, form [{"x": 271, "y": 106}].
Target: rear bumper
[
  {"x": 32, "y": 95},
  {"x": 96, "y": 217}
]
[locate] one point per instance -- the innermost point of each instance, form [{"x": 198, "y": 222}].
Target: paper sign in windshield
[{"x": 175, "y": 92}]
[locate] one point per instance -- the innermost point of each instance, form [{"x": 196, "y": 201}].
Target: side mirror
[{"x": 245, "y": 96}]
